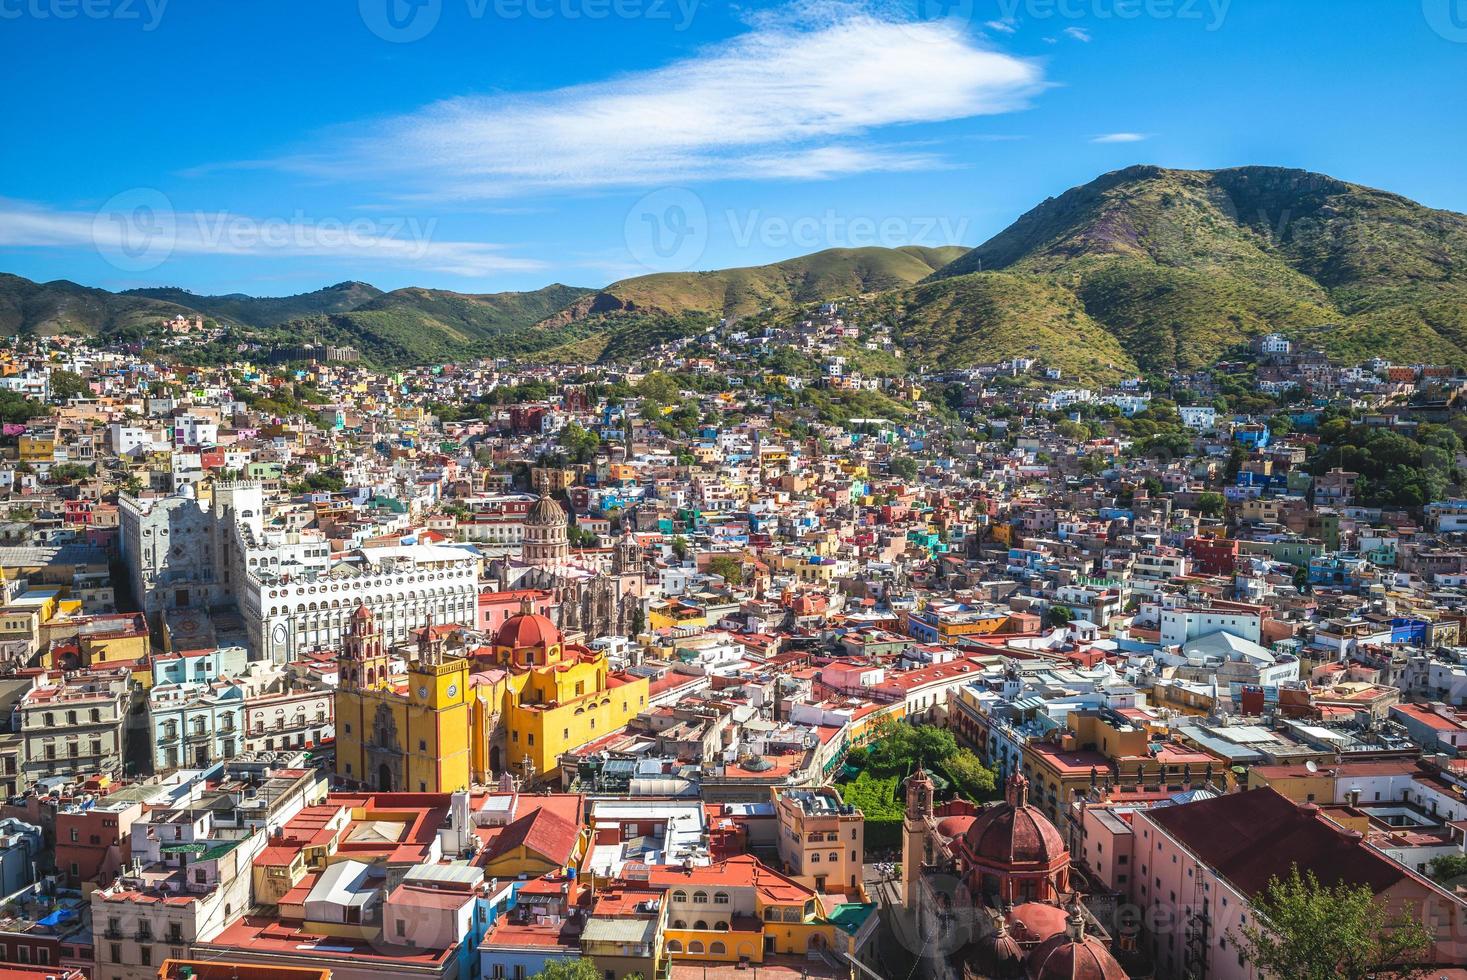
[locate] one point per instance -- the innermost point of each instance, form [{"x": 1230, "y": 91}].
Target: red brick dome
[
  {"x": 1014, "y": 833},
  {"x": 951, "y": 828},
  {"x": 1071, "y": 957},
  {"x": 528, "y": 630}
]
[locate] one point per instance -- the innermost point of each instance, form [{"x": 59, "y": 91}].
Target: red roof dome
[
  {"x": 1035, "y": 922},
  {"x": 1067, "y": 957},
  {"x": 951, "y": 828},
  {"x": 1013, "y": 832},
  {"x": 528, "y": 630}
]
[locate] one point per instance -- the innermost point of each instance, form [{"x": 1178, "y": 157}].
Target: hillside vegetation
[
  {"x": 1144, "y": 269},
  {"x": 265, "y": 311},
  {"x": 1180, "y": 265}
]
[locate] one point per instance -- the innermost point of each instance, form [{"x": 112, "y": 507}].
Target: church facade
[
  {"x": 396, "y": 733},
  {"x": 466, "y": 715},
  {"x": 589, "y": 597},
  {"x": 988, "y": 892}
]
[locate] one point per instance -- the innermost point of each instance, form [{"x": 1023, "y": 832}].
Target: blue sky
[{"x": 275, "y": 146}]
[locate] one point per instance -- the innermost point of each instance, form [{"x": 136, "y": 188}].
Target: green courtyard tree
[
  {"x": 1305, "y": 930},
  {"x": 729, "y": 567}
]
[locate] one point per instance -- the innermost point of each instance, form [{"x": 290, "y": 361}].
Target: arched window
[
  {"x": 673, "y": 946},
  {"x": 679, "y": 896},
  {"x": 701, "y": 925},
  {"x": 717, "y": 949},
  {"x": 679, "y": 924},
  {"x": 700, "y": 898},
  {"x": 695, "y": 947},
  {"x": 720, "y": 898}
]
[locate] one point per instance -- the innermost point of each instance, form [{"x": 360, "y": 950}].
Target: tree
[
  {"x": 680, "y": 547},
  {"x": 1448, "y": 866},
  {"x": 1078, "y": 431},
  {"x": 576, "y": 969},
  {"x": 1060, "y": 615},
  {"x": 1304, "y": 929},
  {"x": 727, "y": 567},
  {"x": 1212, "y": 504},
  {"x": 903, "y": 466},
  {"x": 969, "y": 776},
  {"x": 68, "y": 384},
  {"x": 580, "y": 443}
]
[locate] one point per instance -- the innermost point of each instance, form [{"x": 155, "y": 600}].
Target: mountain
[
  {"x": 1140, "y": 269},
  {"x": 987, "y": 316},
  {"x": 416, "y": 325},
  {"x": 59, "y": 306},
  {"x": 820, "y": 276},
  {"x": 1177, "y": 266},
  {"x": 265, "y": 311}
]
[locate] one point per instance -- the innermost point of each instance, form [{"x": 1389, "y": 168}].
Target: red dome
[
  {"x": 1035, "y": 922},
  {"x": 1005, "y": 834},
  {"x": 1064, "y": 957},
  {"x": 951, "y": 828},
  {"x": 528, "y": 630}
]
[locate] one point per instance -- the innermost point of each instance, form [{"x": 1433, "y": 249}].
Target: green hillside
[
  {"x": 1178, "y": 266},
  {"x": 831, "y": 274},
  {"x": 265, "y": 311},
  {"x": 987, "y": 316},
  {"x": 46, "y": 308},
  {"x": 423, "y": 325}
]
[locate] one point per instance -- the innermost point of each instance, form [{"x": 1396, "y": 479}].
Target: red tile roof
[
  {"x": 547, "y": 834},
  {"x": 1252, "y": 837}
]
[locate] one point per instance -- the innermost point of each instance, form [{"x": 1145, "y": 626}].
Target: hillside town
[{"x": 771, "y": 653}]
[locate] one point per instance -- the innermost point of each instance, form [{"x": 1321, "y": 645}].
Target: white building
[{"x": 293, "y": 593}]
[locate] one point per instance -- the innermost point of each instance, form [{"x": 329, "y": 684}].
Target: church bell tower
[{"x": 914, "y": 834}]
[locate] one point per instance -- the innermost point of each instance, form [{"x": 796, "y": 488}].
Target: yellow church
[
  {"x": 537, "y": 696},
  {"x": 401, "y": 735},
  {"x": 516, "y": 706}
]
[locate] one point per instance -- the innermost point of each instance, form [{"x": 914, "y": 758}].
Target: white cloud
[
  {"x": 1120, "y": 138},
  {"x": 163, "y": 232},
  {"x": 784, "y": 100},
  {"x": 1006, "y": 26},
  {"x": 1077, "y": 34}
]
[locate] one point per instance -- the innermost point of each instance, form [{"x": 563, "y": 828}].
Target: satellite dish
[{"x": 1311, "y": 766}]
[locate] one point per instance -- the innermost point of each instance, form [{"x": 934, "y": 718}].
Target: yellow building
[
  {"x": 396, "y": 734},
  {"x": 547, "y": 698},
  {"x": 533, "y": 698},
  {"x": 39, "y": 447}
]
